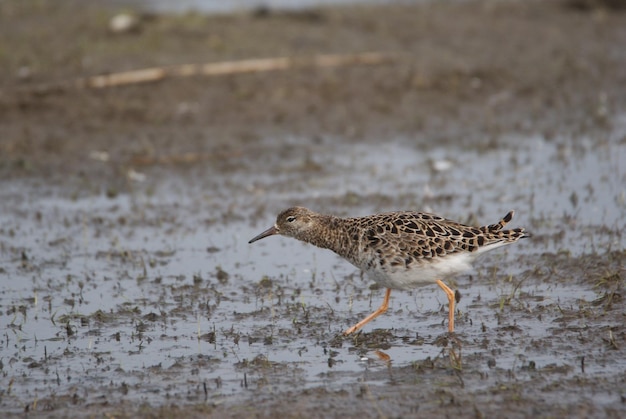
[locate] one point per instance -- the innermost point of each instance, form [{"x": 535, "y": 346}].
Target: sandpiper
[{"x": 398, "y": 250}]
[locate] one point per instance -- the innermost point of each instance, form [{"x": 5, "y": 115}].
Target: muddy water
[{"x": 156, "y": 297}]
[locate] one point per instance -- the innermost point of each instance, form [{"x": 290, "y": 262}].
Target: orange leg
[
  {"x": 372, "y": 316},
  {"x": 450, "y": 295}
]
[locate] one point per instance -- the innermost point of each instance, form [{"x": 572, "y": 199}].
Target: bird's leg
[
  {"x": 380, "y": 310},
  {"x": 450, "y": 295}
]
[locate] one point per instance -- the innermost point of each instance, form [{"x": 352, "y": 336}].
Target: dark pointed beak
[{"x": 269, "y": 232}]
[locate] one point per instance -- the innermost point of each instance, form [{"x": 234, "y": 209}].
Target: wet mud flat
[{"x": 128, "y": 286}]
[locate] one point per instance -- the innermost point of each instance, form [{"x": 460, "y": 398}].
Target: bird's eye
[{"x": 291, "y": 219}]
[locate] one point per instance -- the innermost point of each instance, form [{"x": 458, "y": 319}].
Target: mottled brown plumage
[{"x": 398, "y": 250}]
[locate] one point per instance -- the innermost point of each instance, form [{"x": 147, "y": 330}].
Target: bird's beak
[{"x": 269, "y": 232}]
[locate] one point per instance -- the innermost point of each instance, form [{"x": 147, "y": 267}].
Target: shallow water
[{"x": 156, "y": 295}]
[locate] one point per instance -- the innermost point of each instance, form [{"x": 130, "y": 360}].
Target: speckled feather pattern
[{"x": 398, "y": 250}]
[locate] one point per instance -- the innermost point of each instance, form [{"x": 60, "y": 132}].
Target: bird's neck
[{"x": 332, "y": 234}]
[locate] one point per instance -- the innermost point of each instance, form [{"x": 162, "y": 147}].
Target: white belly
[{"x": 423, "y": 274}]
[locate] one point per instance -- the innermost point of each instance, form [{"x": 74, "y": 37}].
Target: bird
[{"x": 399, "y": 250}]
